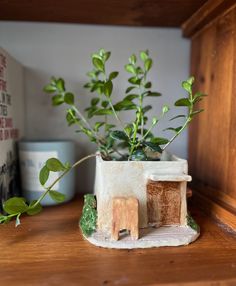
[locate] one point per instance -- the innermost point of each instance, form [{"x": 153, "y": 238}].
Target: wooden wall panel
[{"x": 212, "y": 137}]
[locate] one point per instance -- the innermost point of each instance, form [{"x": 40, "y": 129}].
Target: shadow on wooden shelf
[{"x": 49, "y": 249}]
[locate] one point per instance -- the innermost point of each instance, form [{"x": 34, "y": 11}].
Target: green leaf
[
  {"x": 155, "y": 147},
  {"x": 98, "y": 125},
  {"x": 148, "y": 85},
  {"x": 191, "y": 80},
  {"x": 88, "y": 132},
  {"x": 60, "y": 84},
  {"x": 94, "y": 101},
  {"x": 165, "y": 109},
  {"x": 139, "y": 70},
  {"x": 113, "y": 75},
  {"x": 147, "y": 108},
  {"x": 103, "y": 112},
  {"x": 138, "y": 155},
  {"x": 154, "y": 120},
  {"x": 97, "y": 85},
  {"x": 71, "y": 117},
  {"x": 57, "y": 100},
  {"x": 196, "y": 112},
  {"x": 15, "y": 205},
  {"x": 54, "y": 165},
  {"x": 130, "y": 68},
  {"x": 57, "y": 197},
  {"x": 187, "y": 86},
  {"x": 43, "y": 175},
  {"x": 119, "y": 135},
  {"x": 109, "y": 126},
  {"x": 88, "y": 85},
  {"x": 183, "y": 102},
  {"x": 159, "y": 140},
  {"x": 107, "y": 55},
  {"x": 198, "y": 96},
  {"x": 69, "y": 98},
  {"x": 148, "y": 64},
  {"x": 133, "y": 59},
  {"x": 49, "y": 88},
  {"x": 124, "y": 105},
  {"x": 134, "y": 80},
  {"x": 177, "y": 129},
  {"x": 153, "y": 94},
  {"x": 98, "y": 56},
  {"x": 129, "y": 89},
  {"x": 145, "y": 119},
  {"x": 178, "y": 116},
  {"x": 67, "y": 165},
  {"x": 131, "y": 97},
  {"x": 101, "y": 52},
  {"x": 105, "y": 103},
  {"x": 143, "y": 55},
  {"x": 108, "y": 86},
  {"x": 128, "y": 129},
  {"x": 91, "y": 74},
  {"x": 98, "y": 64},
  {"x": 34, "y": 210}
]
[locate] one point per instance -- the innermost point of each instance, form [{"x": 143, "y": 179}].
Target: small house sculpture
[{"x": 146, "y": 198}]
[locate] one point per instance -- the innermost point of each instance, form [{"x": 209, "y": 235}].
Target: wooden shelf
[
  {"x": 207, "y": 13},
  {"x": 168, "y": 13},
  {"x": 48, "y": 249}
]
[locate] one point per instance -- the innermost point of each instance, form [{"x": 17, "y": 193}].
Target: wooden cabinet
[{"x": 212, "y": 138}]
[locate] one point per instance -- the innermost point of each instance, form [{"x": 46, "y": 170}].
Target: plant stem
[
  {"x": 149, "y": 130},
  {"x": 116, "y": 115},
  {"x": 177, "y": 134},
  {"x": 61, "y": 176},
  {"x": 185, "y": 124},
  {"x": 83, "y": 119},
  {"x": 141, "y": 88}
]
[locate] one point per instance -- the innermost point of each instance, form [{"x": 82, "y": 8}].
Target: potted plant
[{"x": 138, "y": 184}]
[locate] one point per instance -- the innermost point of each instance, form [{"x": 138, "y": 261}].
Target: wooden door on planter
[{"x": 163, "y": 203}]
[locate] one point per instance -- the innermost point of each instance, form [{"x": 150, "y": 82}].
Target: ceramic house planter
[{"x": 154, "y": 195}]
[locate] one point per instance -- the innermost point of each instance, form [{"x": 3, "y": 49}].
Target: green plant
[
  {"x": 16, "y": 206},
  {"x": 133, "y": 141},
  {"x": 88, "y": 220},
  {"x": 192, "y": 223}
]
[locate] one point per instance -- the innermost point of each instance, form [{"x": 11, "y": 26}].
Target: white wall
[{"x": 64, "y": 50}]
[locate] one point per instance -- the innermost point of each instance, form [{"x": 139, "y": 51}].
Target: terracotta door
[{"x": 163, "y": 203}]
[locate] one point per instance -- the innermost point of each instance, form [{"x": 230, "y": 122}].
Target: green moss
[
  {"x": 192, "y": 223},
  {"x": 88, "y": 220}
]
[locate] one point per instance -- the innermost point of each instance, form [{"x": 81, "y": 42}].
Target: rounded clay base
[{"x": 148, "y": 237}]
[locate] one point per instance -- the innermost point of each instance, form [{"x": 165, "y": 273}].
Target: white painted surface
[
  {"x": 170, "y": 178},
  {"x": 64, "y": 50},
  {"x": 149, "y": 237},
  {"x": 123, "y": 178}
]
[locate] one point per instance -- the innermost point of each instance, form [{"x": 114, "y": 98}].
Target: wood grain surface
[
  {"x": 48, "y": 249},
  {"x": 168, "y": 13},
  {"x": 212, "y": 136},
  {"x": 125, "y": 216},
  {"x": 208, "y": 12}
]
